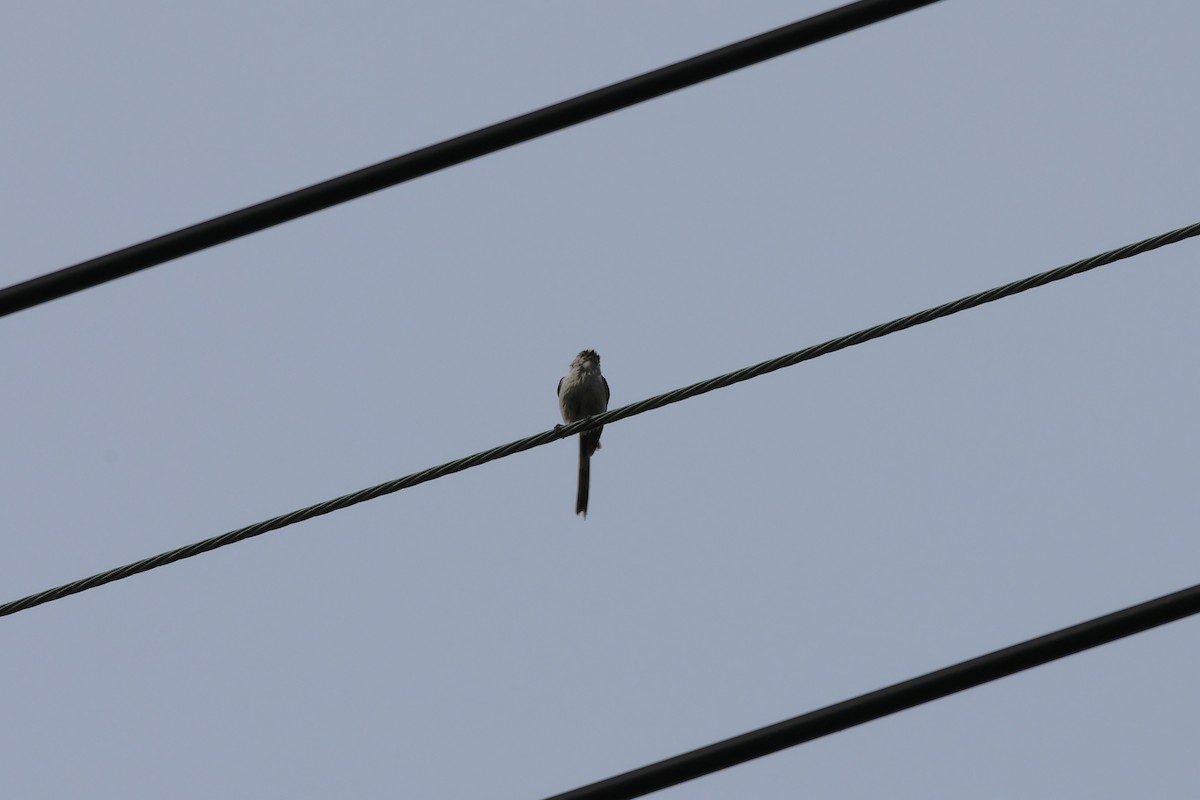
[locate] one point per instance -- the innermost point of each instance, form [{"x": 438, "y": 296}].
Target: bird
[{"x": 583, "y": 393}]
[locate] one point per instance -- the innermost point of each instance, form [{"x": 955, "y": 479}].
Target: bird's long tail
[
  {"x": 589, "y": 443},
  {"x": 585, "y": 464}
]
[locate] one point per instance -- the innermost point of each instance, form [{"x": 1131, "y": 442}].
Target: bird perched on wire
[{"x": 583, "y": 393}]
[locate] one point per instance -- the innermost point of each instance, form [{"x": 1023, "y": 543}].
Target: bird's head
[{"x": 586, "y": 356}]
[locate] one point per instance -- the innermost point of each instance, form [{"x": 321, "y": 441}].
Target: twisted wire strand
[
  {"x": 450, "y": 152},
  {"x": 537, "y": 440}
]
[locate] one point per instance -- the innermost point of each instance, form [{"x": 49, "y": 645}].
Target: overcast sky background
[{"x": 751, "y": 554}]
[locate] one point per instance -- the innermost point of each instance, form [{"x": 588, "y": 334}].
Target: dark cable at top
[{"x": 293, "y": 205}]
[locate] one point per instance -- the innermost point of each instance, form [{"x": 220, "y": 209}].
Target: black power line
[
  {"x": 582, "y": 108},
  {"x": 889, "y": 700},
  {"x": 720, "y": 382}
]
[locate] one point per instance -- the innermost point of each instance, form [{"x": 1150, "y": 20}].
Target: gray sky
[{"x": 751, "y": 554}]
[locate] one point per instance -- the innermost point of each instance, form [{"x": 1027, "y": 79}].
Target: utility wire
[
  {"x": 889, "y": 700},
  {"x": 549, "y": 119},
  {"x": 606, "y": 418}
]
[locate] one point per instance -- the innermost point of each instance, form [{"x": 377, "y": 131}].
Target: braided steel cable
[
  {"x": 903, "y": 323},
  {"x": 720, "y": 382},
  {"x": 450, "y": 152},
  {"x": 892, "y": 699}
]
